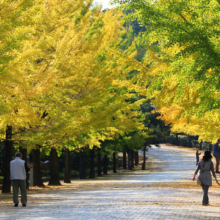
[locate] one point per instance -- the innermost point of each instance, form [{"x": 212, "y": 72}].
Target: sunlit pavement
[{"x": 135, "y": 196}]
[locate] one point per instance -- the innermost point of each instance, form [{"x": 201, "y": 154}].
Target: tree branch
[
  {"x": 183, "y": 18},
  {"x": 11, "y": 140}
]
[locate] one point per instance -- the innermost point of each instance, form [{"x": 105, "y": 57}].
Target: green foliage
[
  {"x": 131, "y": 38},
  {"x": 157, "y": 128},
  {"x": 205, "y": 146},
  {"x": 183, "y": 140},
  {"x": 195, "y": 143},
  {"x": 183, "y": 45},
  {"x": 171, "y": 139}
]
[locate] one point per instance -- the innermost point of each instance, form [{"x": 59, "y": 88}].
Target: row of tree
[
  {"x": 68, "y": 81},
  {"x": 63, "y": 79},
  {"x": 130, "y": 159},
  {"x": 128, "y": 144},
  {"x": 182, "y": 44}
]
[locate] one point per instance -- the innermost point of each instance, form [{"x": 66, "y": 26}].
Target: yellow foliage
[{"x": 67, "y": 81}]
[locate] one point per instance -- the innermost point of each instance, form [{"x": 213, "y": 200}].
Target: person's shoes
[
  {"x": 16, "y": 205},
  {"x": 24, "y": 205}
]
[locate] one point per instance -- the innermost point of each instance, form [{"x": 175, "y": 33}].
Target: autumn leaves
[
  {"x": 62, "y": 77},
  {"x": 183, "y": 45}
]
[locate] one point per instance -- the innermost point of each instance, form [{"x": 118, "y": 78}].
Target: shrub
[
  {"x": 171, "y": 139},
  {"x": 183, "y": 140},
  {"x": 195, "y": 143}
]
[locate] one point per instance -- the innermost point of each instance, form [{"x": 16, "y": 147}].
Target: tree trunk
[
  {"x": 130, "y": 159},
  {"x": 114, "y": 163},
  {"x": 54, "y": 168},
  {"x": 144, "y": 159},
  {"x": 24, "y": 157},
  {"x": 82, "y": 168},
  {"x": 6, "y": 187},
  {"x": 92, "y": 164},
  {"x": 210, "y": 147},
  {"x": 124, "y": 160},
  {"x": 164, "y": 139},
  {"x": 177, "y": 140},
  {"x": 200, "y": 145},
  {"x": 136, "y": 158},
  {"x": 99, "y": 162},
  {"x": 189, "y": 141},
  {"x": 67, "y": 166},
  {"x": 105, "y": 171},
  {"x": 132, "y": 156},
  {"x": 37, "y": 181}
]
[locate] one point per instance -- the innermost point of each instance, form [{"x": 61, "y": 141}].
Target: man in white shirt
[{"x": 18, "y": 169}]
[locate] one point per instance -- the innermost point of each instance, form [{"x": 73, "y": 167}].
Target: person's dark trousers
[
  {"x": 217, "y": 163},
  {"x": 197, "y": 161},
  {"x": 22, "y": 185},
  {"x": 205, "y": 200}
]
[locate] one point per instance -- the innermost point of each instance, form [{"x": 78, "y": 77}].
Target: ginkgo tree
[
  {"x": 70, "y": 71},
  {"x": 68, "y": 82},
  {"x": 13, "y": 34},
  {"x": 182, "y": 41}
]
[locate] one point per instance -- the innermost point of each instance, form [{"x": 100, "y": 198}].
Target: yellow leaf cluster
[{"x": 67, "y": 81}]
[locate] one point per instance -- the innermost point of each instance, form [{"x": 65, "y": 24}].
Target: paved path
[
  {"x": 174, "y": 164},
  {"x": 132, "y": 197}
]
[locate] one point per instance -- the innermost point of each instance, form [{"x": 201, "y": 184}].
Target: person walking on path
[
  {"x": 216, "y": 154},
  {"x": 205, "y": 166},
  {"x": 18, "y": 169},
  {"x": 197, "y": 157}
]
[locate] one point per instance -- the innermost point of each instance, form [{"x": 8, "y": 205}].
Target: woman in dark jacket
[{"x": 205, "y": 166}]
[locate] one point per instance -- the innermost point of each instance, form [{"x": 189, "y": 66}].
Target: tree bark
[
  {"x": 99, "y": 162},
  {"x": 54, "y": 168},
  {"x": 136, "y": 158},
  {"x": 82, "y": 168},
  {"x": 6, "y": 187},
  {"x": 105, "y": 171},
  {"x": 67, "y": 166},
  {"x": 130, "y": 159},
  {"x": 200, "y": 145},
  {"x": 37, "y": 181},
  {"x": 92, "y": 164},
  {"x": 144, "y": 159},
  {"x": 189, "y": 141},
  {"x": 124, "y": 160},
  {"x": 114, "y": 163},
  {"x": 24, "y": 157},
  {"x": 177, "y": 140}
]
